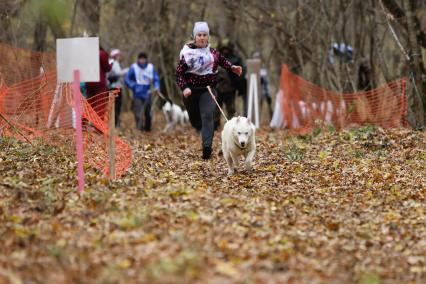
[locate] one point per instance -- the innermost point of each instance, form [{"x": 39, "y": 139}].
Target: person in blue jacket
[{"x": 139, "y": 79}]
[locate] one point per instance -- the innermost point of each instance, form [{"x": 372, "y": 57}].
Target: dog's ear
[
  {"x": 248, "y": 120},
  {"x": 238, "y": 119}
]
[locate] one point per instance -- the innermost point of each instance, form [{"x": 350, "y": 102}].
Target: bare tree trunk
[
  {"x": 378, "y": 43},
  {"x": 74, "y": 14},
  {"x": 5, "y": 24},
  {"x": 167, "y": 80},
  {"x": 9, "y": 10},
  {"x": 400, "y": 16},
  {"x": 92, "y": 10},
  {"x": 40, "y": 32},
  {"x": 419, "y": 101}
]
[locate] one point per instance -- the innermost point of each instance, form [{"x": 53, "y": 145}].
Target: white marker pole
[
  {"x": 77, "y": 60},
  {"x": 256, "y": 101},
  {"x": 250, "y": 98},
  {"x": 253, "y": 99}
]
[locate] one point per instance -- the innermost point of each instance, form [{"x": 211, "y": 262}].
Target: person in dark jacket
[
  {"x": 239, "y": 82},
  {"x": 196, "y": 70},
  {"x": 97, "y": 92},
  {"x": 364, "y": 75},
  {"x": 226, "y": 92},
  {"x": 139, "y": 79},
  {"x": 230, "y": 84}
]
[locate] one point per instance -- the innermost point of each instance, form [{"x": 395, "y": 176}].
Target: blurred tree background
[{"x": 388, "y": 37}]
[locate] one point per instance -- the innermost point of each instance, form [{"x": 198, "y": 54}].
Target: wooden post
[
  {"x": 79, "y": 131},
  {"x": 111, "y": 133}
]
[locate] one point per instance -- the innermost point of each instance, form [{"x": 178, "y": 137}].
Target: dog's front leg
[
  {"x": 167, "y": 128},
  {"x": 234, "y": 159},
  {"x": 248, "y": 163},
  {"x": 229, "y": 161}
]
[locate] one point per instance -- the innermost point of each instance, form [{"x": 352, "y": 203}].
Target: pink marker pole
[{"x": 79, "y": 130}]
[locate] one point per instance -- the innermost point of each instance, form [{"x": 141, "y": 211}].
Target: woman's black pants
[{"x": 201, "y": 107}]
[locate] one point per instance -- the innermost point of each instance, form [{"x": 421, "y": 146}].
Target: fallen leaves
[
  {"x": 329, "y": 207},
  {"x": 226, "y": 268}
]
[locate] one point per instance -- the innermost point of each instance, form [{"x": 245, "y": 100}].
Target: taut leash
[{"x": 213, "y": 97}]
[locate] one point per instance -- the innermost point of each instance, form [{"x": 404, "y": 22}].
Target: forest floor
[{"x": 330, "y": 207}]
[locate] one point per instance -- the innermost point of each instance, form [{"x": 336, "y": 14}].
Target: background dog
[
  {"x": 174, "y": 116},
  {"x": 238, "y": 139}
]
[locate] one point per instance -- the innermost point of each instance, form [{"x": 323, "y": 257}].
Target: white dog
[
  {"x": 238, "y": 139},
  {"x": 174, "y": 116},
  {"x": 185, "y": 117}
]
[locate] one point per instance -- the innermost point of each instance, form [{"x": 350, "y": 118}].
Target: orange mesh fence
[
  {"x": 302, "y": 103},
  {"x": 34, "y": 106}
]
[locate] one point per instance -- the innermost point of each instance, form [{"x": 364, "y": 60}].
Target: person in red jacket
[{"x": 99, "y": 102}]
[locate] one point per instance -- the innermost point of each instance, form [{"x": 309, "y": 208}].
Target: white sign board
[{"x": 77, "y": 54}]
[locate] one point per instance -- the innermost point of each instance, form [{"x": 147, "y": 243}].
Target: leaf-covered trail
[{"x": 343, "y": 207}]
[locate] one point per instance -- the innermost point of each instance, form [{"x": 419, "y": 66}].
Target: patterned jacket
[{"x": 198, "y": 67}]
